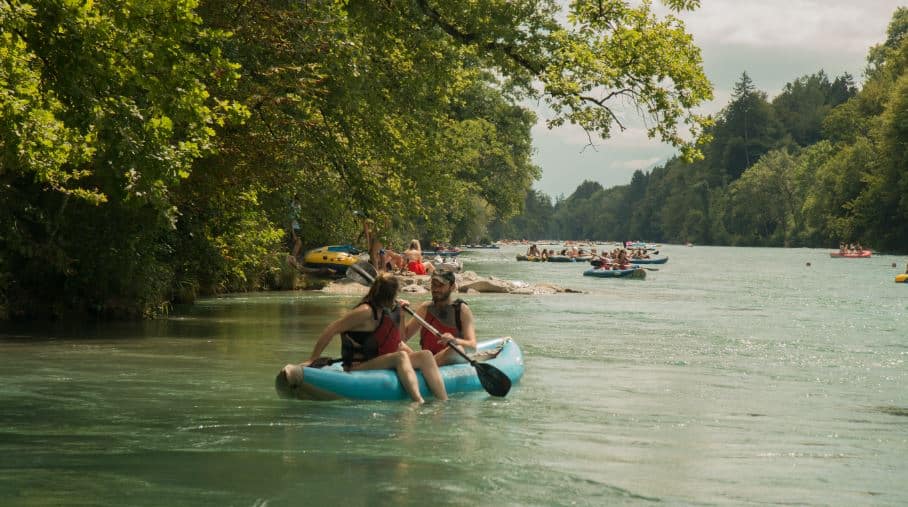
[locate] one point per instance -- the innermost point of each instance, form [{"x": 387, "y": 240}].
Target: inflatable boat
[
  {"x": 651, "y": 260},
  {"x": 337, "y": 258},
  {"x": 634, "y": 272},
  {"x": 863, "y": 254},
  {"x": 332, "y": 382}
]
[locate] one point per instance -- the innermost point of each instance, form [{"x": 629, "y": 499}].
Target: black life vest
[{"x": 361, "y": 346}]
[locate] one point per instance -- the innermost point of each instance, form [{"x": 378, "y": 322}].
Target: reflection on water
[{"x": 727, "y": 376}]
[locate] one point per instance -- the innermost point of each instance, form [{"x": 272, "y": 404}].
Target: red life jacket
[
  {"x": 429, "y": 341},
  {"x": 361, "y": 346}
]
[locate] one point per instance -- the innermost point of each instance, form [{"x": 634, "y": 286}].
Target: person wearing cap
[{"x": 451, "y": 317}]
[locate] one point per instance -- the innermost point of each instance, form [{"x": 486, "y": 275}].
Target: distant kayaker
[
  {"x": 453, "y": 318},
  {"x": 623, "y": 261},
  {"x": 371, "y": 340}
]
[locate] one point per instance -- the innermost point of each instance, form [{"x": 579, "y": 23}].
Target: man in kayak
[
  {"x": 372, "y": 341},
  {"x": 453, "y": 318}
]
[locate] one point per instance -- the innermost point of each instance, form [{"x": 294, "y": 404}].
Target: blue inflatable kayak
[
  {"x": 566, "y": 258},
  {"x": 332, "y": 382},
  {"x": 635, "y": 272},
  {"x": 651, "y": 260}
]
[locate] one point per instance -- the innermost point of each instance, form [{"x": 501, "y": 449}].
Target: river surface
[{"x": 730, "y": 376}]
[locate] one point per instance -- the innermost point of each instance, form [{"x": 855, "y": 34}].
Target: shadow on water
[{"x": 897, "y": 411}]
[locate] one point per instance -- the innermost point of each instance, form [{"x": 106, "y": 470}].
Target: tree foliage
[
  {"x": 105, "y": 110},
  {"x": 152, "y": 151}
]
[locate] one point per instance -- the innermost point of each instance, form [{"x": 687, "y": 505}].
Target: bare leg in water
[
  {"x": 404, "y": 362},
  {"x": 425, "y": 361}
]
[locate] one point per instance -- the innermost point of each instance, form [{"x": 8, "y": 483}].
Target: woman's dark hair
[{"x": 383, "y": 292}]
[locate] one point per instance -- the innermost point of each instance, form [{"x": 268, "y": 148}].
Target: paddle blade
[
  {"x": 493, "y": 380},
  {"x": 362, "y": 273}
]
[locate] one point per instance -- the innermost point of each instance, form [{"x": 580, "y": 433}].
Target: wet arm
[
  {"x": 468, "y": 330},
  {"x": 349, "y": 321},
  {"x": 412, "y": 325}
]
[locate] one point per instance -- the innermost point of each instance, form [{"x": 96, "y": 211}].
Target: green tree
[
  {"x": 804, "y": 103},
  {"x": 161, "y": 147},
  {"x": 767, "y": 201},
  {"x": 746, "y": 129},
  {"x": 108, "y": 111}
]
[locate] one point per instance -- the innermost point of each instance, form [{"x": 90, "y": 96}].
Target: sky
[{"x": 774, "y": 41}]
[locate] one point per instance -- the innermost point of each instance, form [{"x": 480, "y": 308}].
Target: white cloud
[
  {"x": 634, "y": 164},
  {"x": 824, "y": 25},
  {"x": 571, "y": 135},
  {"x": 574, "y": 135}
]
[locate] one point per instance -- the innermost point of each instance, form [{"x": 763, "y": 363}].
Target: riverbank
[{"x": 468, "y": 282}]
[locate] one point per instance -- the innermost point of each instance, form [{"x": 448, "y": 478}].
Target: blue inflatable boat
[
  {"x": 634, "y": 272},
  {"x": 332, "y": 382},
  {"x": 651, "y": 260}
]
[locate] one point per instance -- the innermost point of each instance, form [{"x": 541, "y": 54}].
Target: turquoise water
[{"x": 728, "y": 376}]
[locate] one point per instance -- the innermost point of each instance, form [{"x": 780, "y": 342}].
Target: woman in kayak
[{"x": 371, "y": 340}]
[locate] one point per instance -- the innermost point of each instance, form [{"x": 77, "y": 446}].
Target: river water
[{"x": 728, "y": 376}]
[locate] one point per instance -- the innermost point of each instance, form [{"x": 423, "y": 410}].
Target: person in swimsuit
[{"x": 415, "y": 261}]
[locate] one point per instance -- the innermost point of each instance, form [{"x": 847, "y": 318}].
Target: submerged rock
[{"x": 498, "y": 286}]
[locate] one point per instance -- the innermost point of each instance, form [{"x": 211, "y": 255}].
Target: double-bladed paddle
[{"x": 493, "y": 380}]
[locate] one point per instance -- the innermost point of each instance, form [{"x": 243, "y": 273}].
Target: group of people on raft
[
  {"x": 619, "y": 258},
  {"x": 374, "y": 335},
  {"x": 616, "y": 259},
  {"x": 850, "y": 248},
  {"x": 571, "y": 252}
]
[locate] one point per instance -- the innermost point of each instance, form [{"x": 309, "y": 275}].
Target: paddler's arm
[
  {"x": 349, "y": 321},
  {"x": 466, "y": 326},
  {"x": 412, "y": 325}
]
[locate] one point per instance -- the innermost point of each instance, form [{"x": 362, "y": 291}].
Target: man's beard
[{"x": 442, "y": 298}]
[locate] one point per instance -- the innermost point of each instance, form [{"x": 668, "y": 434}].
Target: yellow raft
[
  {"x": 336, "y": 257},
  {"x": 903, "y": 278}
]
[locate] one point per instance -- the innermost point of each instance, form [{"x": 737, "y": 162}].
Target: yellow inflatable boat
[
  {"x": 336, "y": 257},
  {"x": 903, "y": 278}
]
